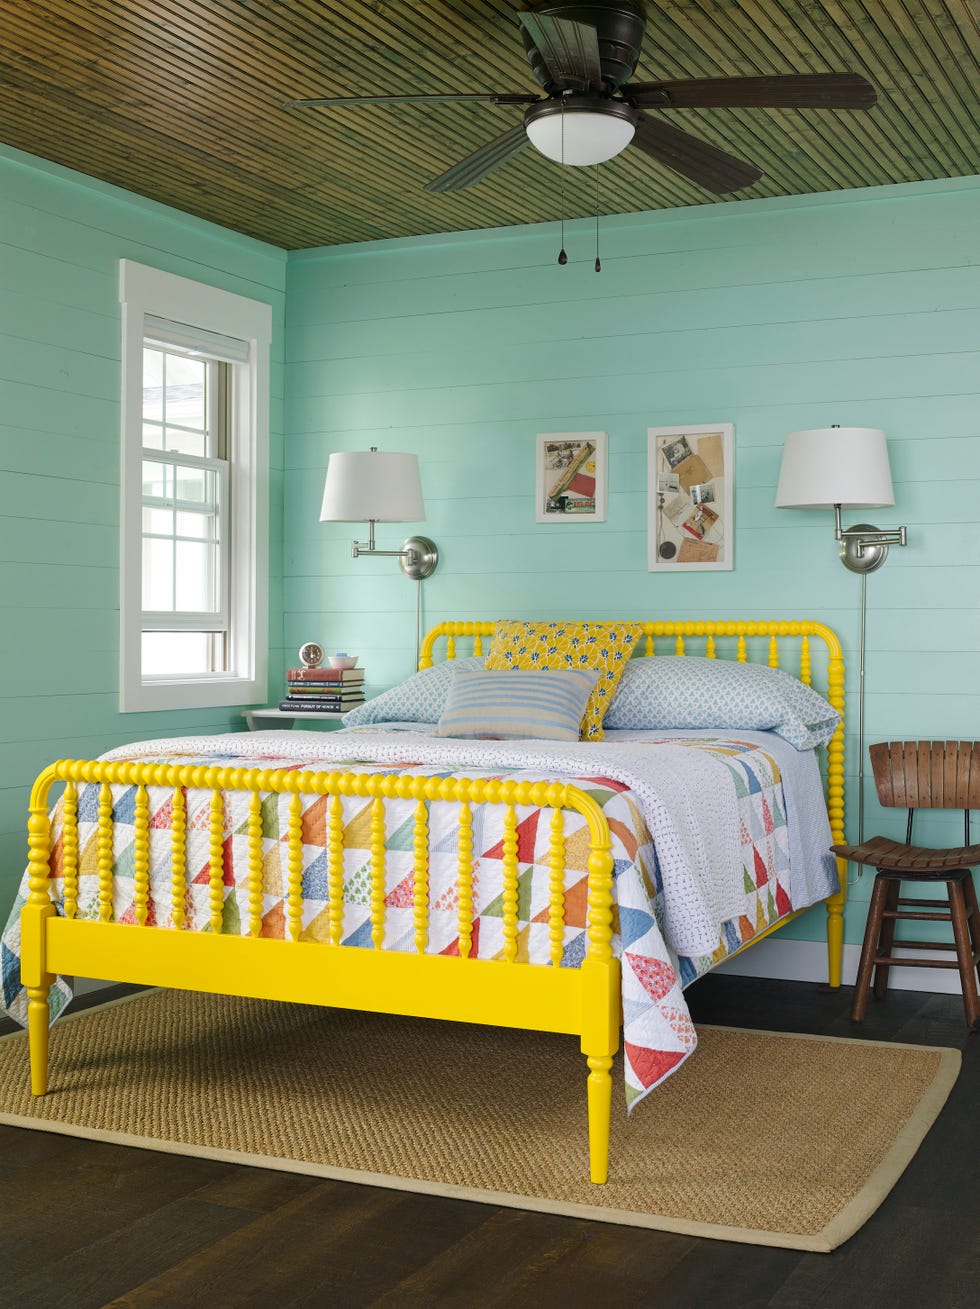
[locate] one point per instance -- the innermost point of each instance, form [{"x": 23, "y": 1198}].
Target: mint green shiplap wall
[
  {"x": 61, "y": 239},
  {"x": 858, "y": 308}
]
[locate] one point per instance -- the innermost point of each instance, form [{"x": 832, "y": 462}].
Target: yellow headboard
[{"x": 721, "y": 640}]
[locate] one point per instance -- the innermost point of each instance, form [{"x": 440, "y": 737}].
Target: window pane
[
  {"x": 158, "y": 575},
  {"x": 157, "y": 479},
  {"x": 153, "y": 436},
  {"x": 159, "y": 521},
  {"x": 196, "y": 577},
  {"x": 152, "y": 384},
  {"x": 186, "y": 443},
  {"x": 200, "y": 526},
  {"x": 176, "y": 654},
  {"x": 197, "y": 484},
  {"x": 186, "y": 392}
]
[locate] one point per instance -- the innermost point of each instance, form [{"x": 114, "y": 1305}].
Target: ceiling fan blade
[
  {"x": 569, "y": 50},
  {"x": 475, "y": 167},
  {"x": 693, "y": 158},
  {"x": 491, "y": 97},
  {"x": 795, "y": 91}
]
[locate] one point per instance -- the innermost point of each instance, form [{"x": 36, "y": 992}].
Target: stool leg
[
  {"x": 868, "y": 950},
  {"x": 973, "y": 915},
  {"x": 886, "y": 941},
  {"x": 964, "y": 952}
]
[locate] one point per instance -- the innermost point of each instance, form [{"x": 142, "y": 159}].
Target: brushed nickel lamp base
[{"x": 864, "y": 548}]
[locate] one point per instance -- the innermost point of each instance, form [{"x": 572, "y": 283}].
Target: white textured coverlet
[{"x": 688, "y": 799}]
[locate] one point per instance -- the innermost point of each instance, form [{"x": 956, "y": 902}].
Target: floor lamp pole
[{"x": 864, "y": 619}]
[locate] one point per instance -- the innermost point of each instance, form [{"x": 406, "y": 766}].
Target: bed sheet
[{"x": 748, "y": 785}]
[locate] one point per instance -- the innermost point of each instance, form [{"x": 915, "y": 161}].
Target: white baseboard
[{"x": 806, "y": 961}]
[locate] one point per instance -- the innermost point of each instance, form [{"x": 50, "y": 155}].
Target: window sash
[{"x": 176, "y": 619}]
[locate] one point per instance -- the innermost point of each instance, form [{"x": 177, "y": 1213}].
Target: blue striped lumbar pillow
[{"x": 543, "y": 704}]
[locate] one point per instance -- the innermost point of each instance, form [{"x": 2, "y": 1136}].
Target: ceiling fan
[{"x": 583, "y": 56}]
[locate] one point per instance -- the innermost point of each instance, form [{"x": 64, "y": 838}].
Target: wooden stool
[{"x": 921, "y": 775}]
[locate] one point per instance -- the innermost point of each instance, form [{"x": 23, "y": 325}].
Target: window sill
[{"x": 192, "y": 693}]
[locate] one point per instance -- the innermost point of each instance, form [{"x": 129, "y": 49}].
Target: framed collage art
[
  {"x": 571, "y": 477},
  {"x": 690, "y": 472}
]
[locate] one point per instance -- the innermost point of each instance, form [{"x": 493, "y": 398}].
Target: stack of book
[{"x": 322, "y": 690}]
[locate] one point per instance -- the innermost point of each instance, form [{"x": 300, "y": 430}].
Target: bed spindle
[
  {"x": 141, "y": 856},
  {"x": 477, "y": 645},
  {"x": 103, "y": 849},
  {"x": 510, "y": 877},
  {"x": 679, "y": 644},
  {"x": 649, "y": 646},
  {"x": 69, "y": 848},
  {"x": 773, "y": 652},
  {"x": 255, "y": 870},
  {"x": 216, "y": 857},
  {"x": 556, "y": 889},
  {"x": 294, "y": 867},
  {"x": 709, "y": 648},
  {"x": 178, "y": 858},
  {"x": 465, "y": 880},
  {"x": 378, "y": 869},
  {"x": 335, "y": 869},
  {"x": 741, "y": 653},
  {"x": 805, "y": 670},
  {"x": 420, "y": 895}
]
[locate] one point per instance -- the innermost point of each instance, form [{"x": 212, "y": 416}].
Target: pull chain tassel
[
  {"x": 598, "y": 265},
  {"x": 562, "y": 256}
]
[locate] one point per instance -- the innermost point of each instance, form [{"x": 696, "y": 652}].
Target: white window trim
[{"x": 150, "y": 291}]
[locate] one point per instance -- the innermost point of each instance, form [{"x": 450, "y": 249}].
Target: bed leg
[
  {"x": 38, "y": 1024},
  {"x": 835, "y": 937},
  {"x": 600, "y": 1107}
]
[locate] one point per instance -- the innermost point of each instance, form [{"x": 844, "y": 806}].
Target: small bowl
[{"x": 341, "y": 661}]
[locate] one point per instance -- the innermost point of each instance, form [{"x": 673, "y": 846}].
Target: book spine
[
  {"x": 293, "y": 688},
  {"x": 312, "y": 706},
  {"x": 325, "y": 674}
]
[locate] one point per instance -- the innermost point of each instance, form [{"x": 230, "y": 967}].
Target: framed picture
[
  {"x": 690, "y": 498},
  {"x": 571, "y": 477}
]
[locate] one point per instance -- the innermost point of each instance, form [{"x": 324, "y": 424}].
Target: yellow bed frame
[{"x": 584, "y": 1001}]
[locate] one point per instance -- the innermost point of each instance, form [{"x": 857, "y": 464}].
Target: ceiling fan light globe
[{"x": 589, "y": 136}]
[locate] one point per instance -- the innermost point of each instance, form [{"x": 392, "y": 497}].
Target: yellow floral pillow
[{"x": 606, "y": 646}]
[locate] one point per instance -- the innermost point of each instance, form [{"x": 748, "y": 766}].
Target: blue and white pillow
[
  {"x": 690, "y": 691},
  {"x": 514, "y": 704},
  {"x": 419, "y": 699}
]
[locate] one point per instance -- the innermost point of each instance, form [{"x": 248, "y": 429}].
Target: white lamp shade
[
  {"x": 827, "y": 466},
  {"x": 589, "y": 138},
  {"x": 372, "y": 484}
]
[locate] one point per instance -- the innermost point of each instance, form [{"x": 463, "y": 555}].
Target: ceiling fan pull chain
[
  {"x": 562, "y": 256},
  {"x": 598, "y": 265}
]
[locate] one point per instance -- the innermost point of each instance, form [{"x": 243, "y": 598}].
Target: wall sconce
[
  {"x": 844, "y": 467},
  {"x": 379, "y": 487}
]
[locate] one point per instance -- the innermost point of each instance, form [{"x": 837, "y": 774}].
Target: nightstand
[{"x": 257, "y": 718}]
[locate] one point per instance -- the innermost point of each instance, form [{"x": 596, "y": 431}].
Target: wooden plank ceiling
[{"x": 181, "y": 100}]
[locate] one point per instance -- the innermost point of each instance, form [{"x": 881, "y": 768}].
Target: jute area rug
[{"x": 760, "y": 1137}]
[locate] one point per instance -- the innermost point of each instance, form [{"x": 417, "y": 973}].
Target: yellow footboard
[{"x": 581, "y": 1001}]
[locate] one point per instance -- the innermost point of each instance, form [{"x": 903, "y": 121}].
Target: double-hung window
[{"x": 194, "y": 490}]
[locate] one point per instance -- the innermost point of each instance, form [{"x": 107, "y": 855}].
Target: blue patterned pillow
[
  {"x": 419, "y": 699},
  {"x": 678, "y": 691},
  {"x": 515, "y": 704}
]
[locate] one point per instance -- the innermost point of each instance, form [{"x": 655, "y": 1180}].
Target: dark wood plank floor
[{"x": 84, "y": 1225}]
